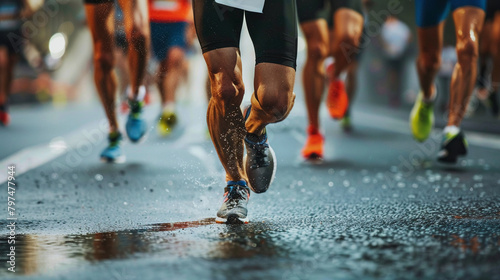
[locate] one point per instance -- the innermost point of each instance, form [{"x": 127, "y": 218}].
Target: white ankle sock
[
  {"x": 451, "y": 129},
  {"x": 169, "y": 107},
  {"x": 140, "y": 95}
]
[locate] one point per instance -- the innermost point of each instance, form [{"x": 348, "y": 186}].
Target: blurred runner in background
[
  {"x": 396, "y": 37},
  {"x": 121, "y": 51},
  {"x": 12, "y": 13},
  {"x": 169, "y": 22},
  {"x": 469, "y": 17},
  {"x": 346, "y": 21},
  {"x": 488, "y": 79},
  {"x": 100, "y": 19}
]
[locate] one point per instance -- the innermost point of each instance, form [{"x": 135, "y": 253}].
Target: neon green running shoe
[
  {"x": 421, "y": 118},
  {"x": 166, "y": 123}
]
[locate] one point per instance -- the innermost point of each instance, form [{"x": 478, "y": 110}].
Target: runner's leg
[
  {"x": 100, "y": 22},
  {"x": 224, "y": 118},
  {"x": 136, "y": 21},
  {"x": 495, "y": 51},
  {"x": 468, "y": 24},
  {"x": 430, "y": 43},
  {"x": 7, "y": 63},
  {"x": 170, "y": 74},
  {"x": 313, "y": 75},
  {"x": 348, "y": 28}
]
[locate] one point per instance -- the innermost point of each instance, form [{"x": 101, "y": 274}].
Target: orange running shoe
[
  {"x": 313, "y": 149},
  {"x": 337, "y": 101}
]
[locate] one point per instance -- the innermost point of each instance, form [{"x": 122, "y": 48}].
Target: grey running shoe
[
  {"x": 234, "y": 207},
  {"x": 259, "y": 162}
]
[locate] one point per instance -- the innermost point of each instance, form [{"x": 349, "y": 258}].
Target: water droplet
[
  {"x": 330, "y": 184},
  {"x": 98, "y": 177},
  {"x": 300, "y": 183},
  {"x": 125, "y": 203}
]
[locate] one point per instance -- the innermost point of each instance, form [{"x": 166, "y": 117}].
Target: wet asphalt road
[{"x": 379, "y": 207}]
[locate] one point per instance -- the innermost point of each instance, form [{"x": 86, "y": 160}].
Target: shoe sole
[
  {"x": 120, "y": 159},
  {"x": 275, "y": 163},
  {"x": 447, "y": 159},
  {"x": 314, "y": 159},
  {"x": 232, "y": 219},
  {"x": 140, "y": 140}
]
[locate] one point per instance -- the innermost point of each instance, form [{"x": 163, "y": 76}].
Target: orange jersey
[{"x": 170, "y": 10}]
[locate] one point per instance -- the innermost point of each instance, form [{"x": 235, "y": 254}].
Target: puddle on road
[{"x": 42, "y": 254}]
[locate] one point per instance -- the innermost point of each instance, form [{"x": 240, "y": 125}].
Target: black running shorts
[
  {"x": 273, "y": 33},
  {"x": 97, "y": 1},
  {"x": 309, "y": 10},
  {"x": 492, "y": 7}
]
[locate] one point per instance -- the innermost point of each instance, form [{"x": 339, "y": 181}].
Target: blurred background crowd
[{"x": 52, "y": 60}]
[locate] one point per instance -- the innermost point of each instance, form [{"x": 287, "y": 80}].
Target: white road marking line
[{"x": 32, "y": 157}]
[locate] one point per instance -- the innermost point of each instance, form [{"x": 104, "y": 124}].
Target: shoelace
[
  {"x": 114, "y": 140},
  {"x": 261, "y": 158},
  {"x": 135, "y": 107},
  {"x": 235, "y": 193}
]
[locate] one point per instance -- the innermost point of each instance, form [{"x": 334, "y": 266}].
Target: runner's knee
[
  {"x": 138, "y": 35},
  {"x": 317, "y": 50},
  {"x": 103, "y": 60},
  {"x": 467, "y": 52},
  {"x": 175, "y": 58},
  {"x": 276, "y": 100}
]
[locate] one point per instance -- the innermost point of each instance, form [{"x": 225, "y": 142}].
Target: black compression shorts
[
  {"x": 324, "y": 9},
  {"x": 492, "y": 7},
  {"x": 97, "y": 1},
  {"x": 273, "y": 33}
]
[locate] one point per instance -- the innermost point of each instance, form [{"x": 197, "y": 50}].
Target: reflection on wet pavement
[{"x": 283, "y": 251}]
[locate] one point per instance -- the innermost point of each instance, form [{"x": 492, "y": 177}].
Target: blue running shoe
[
  {"x": 234, "y": 206},
  {"x": 113, "y": 152},
  {"x": 136, "y": 126},
  {"x": 259, "y": 161}
]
